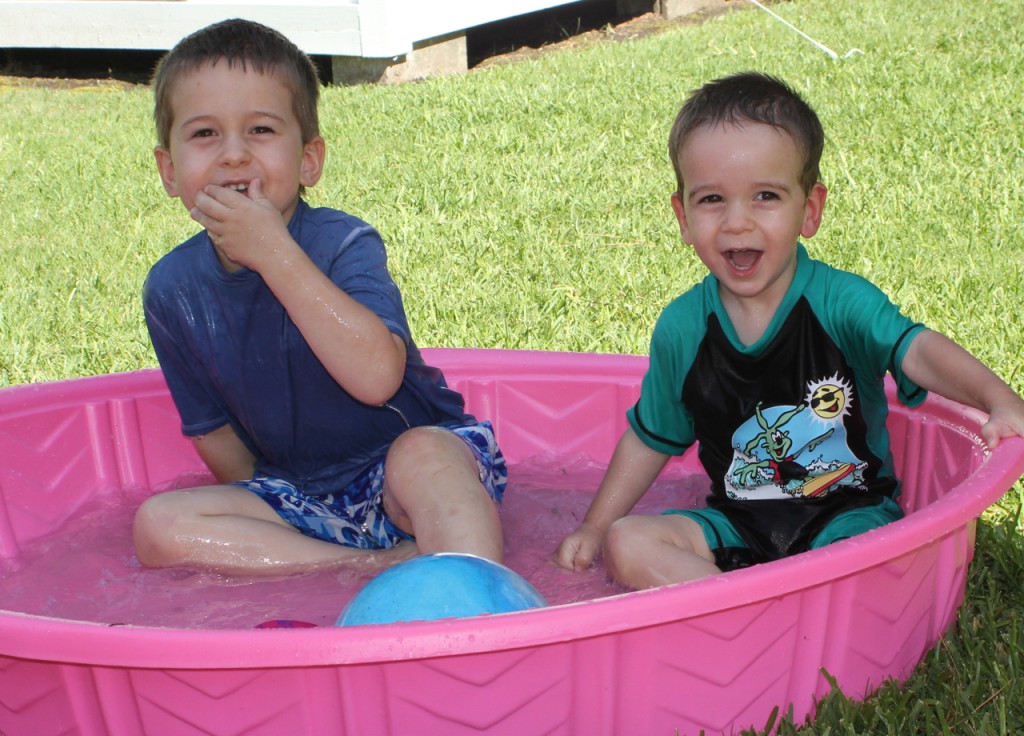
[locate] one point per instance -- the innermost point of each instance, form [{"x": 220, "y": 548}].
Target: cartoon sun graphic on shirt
[{"x": 829, "y": 399}]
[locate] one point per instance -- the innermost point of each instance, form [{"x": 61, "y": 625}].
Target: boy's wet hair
[
  {"x": 751, "y": 97},
  {"x": 247, "y": 45}
]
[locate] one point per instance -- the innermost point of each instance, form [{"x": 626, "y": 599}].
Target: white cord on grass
[{"x": 820, "y": 45}]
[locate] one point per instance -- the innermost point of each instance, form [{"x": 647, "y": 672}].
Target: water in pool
[{"x": 87, "y": 571}]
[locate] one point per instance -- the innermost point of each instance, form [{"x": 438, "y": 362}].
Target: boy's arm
[
  {"x": 350, "y": 340},
  {"x": 632, "y": 469},
  {"x": 225, "y": 455},
  {"x": 938, "y": 364}
]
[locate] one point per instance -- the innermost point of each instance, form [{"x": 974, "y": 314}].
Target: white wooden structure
[
  {"x": 368, "y": 40},
  {"x": 367, "y": 28},
  {"x": 365, "y": 37}
]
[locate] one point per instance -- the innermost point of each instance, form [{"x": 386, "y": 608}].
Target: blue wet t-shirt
[{"x": 231, "y": 355}]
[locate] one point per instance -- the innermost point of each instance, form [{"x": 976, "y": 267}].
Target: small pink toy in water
[{"x": 285, "y": 623}]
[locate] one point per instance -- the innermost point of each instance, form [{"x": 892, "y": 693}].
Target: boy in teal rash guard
[{"x": 774, "y": 363}]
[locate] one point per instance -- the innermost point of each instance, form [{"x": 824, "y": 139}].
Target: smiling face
[
  {"x": 232, "y": 125},
  {"x": 743, "y": 208},
  {"x": 828, "y": 401}
]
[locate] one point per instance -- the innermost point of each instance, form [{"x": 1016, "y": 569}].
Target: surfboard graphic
[{"x": 821, "y": 483}]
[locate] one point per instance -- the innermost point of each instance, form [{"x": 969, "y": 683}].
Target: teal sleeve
[
  {"x": 871, "y": 331},
  {"x": 908, "y": 392},
  {"x": 659, "y": 418}
]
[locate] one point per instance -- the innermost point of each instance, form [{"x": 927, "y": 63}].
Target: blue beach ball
[{"x": 438, "y": 586}]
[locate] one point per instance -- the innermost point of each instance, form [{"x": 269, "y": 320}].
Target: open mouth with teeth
[
  {"x": 743, "y": 259},
  {"x": 243, "y": 188}
]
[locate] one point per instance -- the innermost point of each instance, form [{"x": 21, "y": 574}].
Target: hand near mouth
[{"x": 244, "y": 225}]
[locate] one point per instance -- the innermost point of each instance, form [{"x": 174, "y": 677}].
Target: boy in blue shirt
[
  {"x": 774, "y": 363},
  {"x": 285, "y": 344}
]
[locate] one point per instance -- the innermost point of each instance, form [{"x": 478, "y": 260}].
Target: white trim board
[{"x": 366, "y": 28}]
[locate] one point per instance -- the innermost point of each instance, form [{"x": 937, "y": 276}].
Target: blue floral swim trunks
[{"x": 355, "y": 516}]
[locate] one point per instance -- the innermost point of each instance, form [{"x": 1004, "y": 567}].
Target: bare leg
[
  {"x": 230, "y": 530},
  {"x": 432, "y": 490},
  {"x": 648, "y": 551}
]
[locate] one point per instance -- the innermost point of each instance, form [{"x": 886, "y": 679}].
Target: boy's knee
[
  {"x": 424, "y": 450},
  {"x": 429, "y": 471},
  {"x": 620, "y": 545},
  {"x": 153, "y": 531},
  {"x": 424, "y": 441}
]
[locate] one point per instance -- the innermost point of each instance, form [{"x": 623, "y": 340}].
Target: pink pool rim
[{"x": 719, "y": 654}]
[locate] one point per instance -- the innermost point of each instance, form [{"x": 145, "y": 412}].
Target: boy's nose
[
  {"x": 233, "y": 150},
  {"x": 737, "y": 217}
]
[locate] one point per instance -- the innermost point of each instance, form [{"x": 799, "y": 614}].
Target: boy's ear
[
  {"x": 165, "y": 166},
  {"x": 313, "y": 154},
  {"x": 680, "y": 210},
  {"x": 813, "y": 208}
]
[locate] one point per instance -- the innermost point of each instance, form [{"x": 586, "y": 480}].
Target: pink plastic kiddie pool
[{"x": 719, "y": 654}]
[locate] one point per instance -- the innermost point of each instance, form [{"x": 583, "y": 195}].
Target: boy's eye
[
  {"x": 766, "y": 196},
  {"x": 262, "y": 129},
  {"x": 710, "y": 199},
  {"x": 202, "y": 133}
]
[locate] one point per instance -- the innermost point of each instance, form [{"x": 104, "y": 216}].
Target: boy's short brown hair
[
  {"x": 752, "y": 97},
  {"x": 246, "y": 44}
]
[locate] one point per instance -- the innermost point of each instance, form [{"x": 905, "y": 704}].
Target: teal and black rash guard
[{"x": 792, "y": 428}]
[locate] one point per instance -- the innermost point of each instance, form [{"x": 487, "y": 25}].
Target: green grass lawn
[{"x": 527, "y": 206}]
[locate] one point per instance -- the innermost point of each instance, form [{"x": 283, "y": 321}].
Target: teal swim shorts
[{"x": 733, "y": 553}]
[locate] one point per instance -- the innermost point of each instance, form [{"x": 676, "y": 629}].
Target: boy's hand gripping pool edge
[{"x": 1006, "y": 420}]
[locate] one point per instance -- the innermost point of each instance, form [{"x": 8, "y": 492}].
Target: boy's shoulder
[
  {"x": 182, "y": 258},
  {"x": 683, "y": 321},
  {"x": 330, "y": 228},
  {"x": 829, "y": 282},
  {"x": 327, "y": 217},
  {"x": 693, "y": 305},
  {"x": 699, "y": 296}
]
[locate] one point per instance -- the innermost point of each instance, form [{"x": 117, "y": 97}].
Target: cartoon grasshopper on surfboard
[{"x": 781, "y": 461}]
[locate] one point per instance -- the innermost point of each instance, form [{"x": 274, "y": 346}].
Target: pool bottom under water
[{"x": 87, "y": 570}]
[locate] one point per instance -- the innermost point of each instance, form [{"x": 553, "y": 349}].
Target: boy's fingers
[
  {"x": 221, "y": 197},
  {"x": 581, "y": 559},
  {"x": 581, "y": 562},
  {"x": 256, "y": 189},
  {"x": 1001, "y": 424},
  {"x": 991, "y": 434},
  {"x": 565, "y": 555},
  {"x": 206, "y": 204}
]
